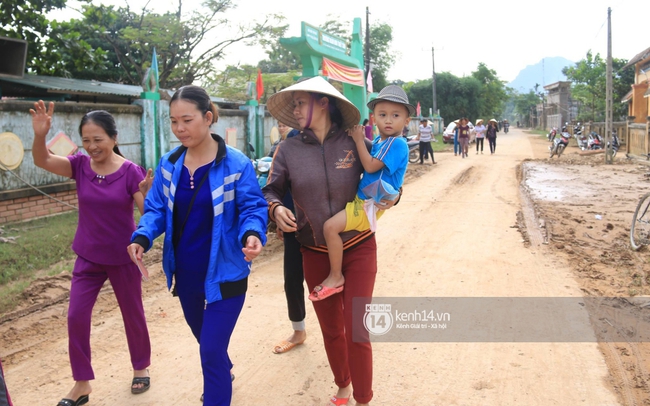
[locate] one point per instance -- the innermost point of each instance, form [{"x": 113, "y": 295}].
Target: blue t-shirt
[{"x": 394, "y": 153}]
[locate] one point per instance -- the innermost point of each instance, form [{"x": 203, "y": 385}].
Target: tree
[
  {"x": 122, "y": 42},
  {"x": 279, "y": 58},
  {"x": 589, "y": 85},
  {"x": 522, "y": 106},
  {"x": 493, "y": 92},
  {"x": 381, "y": 57},
  {"x": 26, "y": 20},
  {"x": 232, "y": 82},
  {"x": 457, "y": 97}
]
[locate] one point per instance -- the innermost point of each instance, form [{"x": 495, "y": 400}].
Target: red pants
[{"x": 350, "y": 361}]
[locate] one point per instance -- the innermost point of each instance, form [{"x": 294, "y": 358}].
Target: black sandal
[
  {"x": 82, "y": 400},
  {"x": 144, "y": 380}
]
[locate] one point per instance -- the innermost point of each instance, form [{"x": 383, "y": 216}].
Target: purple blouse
[{"x": 105, "y": 211}]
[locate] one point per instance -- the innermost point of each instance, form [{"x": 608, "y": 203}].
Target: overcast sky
[{"x": 506, "y": 35}]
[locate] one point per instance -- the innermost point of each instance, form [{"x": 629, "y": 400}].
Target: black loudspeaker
[{"x": 14, "y": 56}]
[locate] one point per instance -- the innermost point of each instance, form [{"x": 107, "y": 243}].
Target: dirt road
[{"x": 453, "y": 234}]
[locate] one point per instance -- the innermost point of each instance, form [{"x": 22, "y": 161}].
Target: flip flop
[
  {"x": 339, "y": 401},
  {"x": 285, "y": 346},
  {"x": 146, "y": 384},
  {"x": 324, "y": 292},
  {"x": 82, "y": 400}
]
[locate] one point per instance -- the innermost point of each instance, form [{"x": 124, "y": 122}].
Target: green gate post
[
  {"x": 150, "y": 123},
  {"x": 314, "y": 43}
]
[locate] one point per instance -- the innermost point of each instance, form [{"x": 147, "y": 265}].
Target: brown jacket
[{"x": 322, "y": 179}]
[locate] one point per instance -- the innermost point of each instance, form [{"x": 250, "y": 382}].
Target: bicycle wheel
[{"x": 640, "y": 229}]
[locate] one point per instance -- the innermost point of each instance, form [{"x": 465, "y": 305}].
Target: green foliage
[
  {"x": 493, "y": 92},
  {"x": 381, "y": 56},
  {"x": 231, "y": 83},
  {"x": 116, "y": 44},
  {"x": 520, "y": 107},
  {"x": 481, "y": 95},
  {"x": 280, "y": 59},
  {"x": 26, "y": 19},
  {"x": 589, "y": 86}
]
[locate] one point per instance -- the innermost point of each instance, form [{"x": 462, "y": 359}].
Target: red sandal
[{"x": 324, "y": 292}]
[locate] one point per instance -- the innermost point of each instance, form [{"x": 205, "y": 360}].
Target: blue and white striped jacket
[{"x": 239, "y": 210}]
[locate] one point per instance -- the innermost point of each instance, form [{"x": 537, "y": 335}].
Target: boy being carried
[{"x": 384, "y": 168}]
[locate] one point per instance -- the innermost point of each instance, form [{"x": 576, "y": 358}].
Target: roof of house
[
  {"x": 37, "y": 86},
  {"x": 74, "y": 86},
  {"x": 627, "y": 97},
  {"x": 638, "y": 57}
]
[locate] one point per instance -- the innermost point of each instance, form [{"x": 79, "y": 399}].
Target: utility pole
[
  {"x": 433, "y": 82},
  {"x": 367, "y": 58},
  {"x": 608, "y": 92}
]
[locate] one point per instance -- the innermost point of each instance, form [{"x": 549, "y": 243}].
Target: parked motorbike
[
  {"x": 615, "y": 143},
  {"x": 262, "y": 167},
  {"x": 551, "y": 135},
  {"x": 595, "y": 141},
  {"x": 581, "y": 139},
  {"x": 414, "y": 149},
  {"x": 559, "y": 144}
]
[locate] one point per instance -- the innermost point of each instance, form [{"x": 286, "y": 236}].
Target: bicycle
[{"x": 640, "y": 229}]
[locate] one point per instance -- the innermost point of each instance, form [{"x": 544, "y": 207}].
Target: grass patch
[
  {"x": 537, "y": 132},
  {"x": 43, "y": 248},
  {"x": 39, "y": 244}
]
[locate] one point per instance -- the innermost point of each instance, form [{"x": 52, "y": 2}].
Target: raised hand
[
  {"x": 145, "y": 184},
  {"x": 42, "y": 118}
]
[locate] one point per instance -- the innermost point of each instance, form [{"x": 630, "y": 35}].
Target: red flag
[
  {"x": 418, "y": 110},
  {"x": 259, "y": 86}
]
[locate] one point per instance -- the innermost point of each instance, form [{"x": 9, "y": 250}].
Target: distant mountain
[{"x": 545, "y": 72}]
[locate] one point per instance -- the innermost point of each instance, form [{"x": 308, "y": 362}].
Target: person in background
[
  {"x": 294, "y": 280},
  {"x": 206, "y": 200},
  {"x": 424, "y": 136},
  {"x": 405, "y": 131},
  {"x": 367, "y": 128},
  {"x": 457, "y": 150},
  {"x": 107, "y": 187},
  {"x": 463, "y": 136},
  {"x": 491, "y": 134},
  {"x": 284, "y": 130},
  {"x": 479, "y": 129}
]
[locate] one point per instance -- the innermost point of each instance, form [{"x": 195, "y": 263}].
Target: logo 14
[{"x": 378, "y": 320}]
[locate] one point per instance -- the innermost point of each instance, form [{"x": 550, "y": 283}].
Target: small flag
[
  {"x": 369, "y": 81},
  {"x": 259, "y": 86},
  {"x": 418, "y": 110}
]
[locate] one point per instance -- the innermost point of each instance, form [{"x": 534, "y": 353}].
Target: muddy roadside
[{"x": 583, "y": 211}]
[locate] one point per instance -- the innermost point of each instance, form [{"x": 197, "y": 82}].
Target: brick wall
[{"x": 25, "y": 208}]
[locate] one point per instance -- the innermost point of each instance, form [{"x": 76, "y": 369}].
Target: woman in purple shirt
[{"x": 107, "y": 187}]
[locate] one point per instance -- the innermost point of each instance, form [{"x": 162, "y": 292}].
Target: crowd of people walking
[{"x": 205, "y": 198}]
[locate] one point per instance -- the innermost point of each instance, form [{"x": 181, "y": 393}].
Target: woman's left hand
[{"x": 252, "y": 249}]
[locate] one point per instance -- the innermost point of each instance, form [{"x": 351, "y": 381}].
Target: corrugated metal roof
[{"x": 75, "y": 86}]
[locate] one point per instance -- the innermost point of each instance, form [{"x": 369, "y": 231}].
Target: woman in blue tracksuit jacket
[{"x": 206, "y": 199}]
